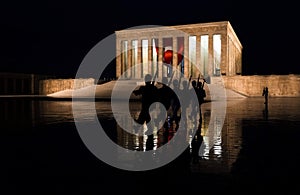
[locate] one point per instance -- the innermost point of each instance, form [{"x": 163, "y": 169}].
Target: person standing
[
  {"x": 266, "y": 94},
  {"x": 149, "y": 96}
]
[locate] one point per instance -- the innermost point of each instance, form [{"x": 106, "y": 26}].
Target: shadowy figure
[
  {"x": 150, "y": 142},
  {"x": 184, "y": 92},
  {"x": 148, "y": 93},
  {"x": 163, "y": 133},
  {"x": 172, "y": 130},
  {"x": 165, "y": 93},
  {"x": 149, "y": 96},
  {"x": 195, "y": 103},
  {"x": 196, "y": 144},
  {"x": 265, "y": 93},
  {"x": 178, "y": 137},
  {"x": 200, "y": 93}
]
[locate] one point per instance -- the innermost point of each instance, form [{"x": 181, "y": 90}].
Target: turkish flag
[{"x": 168, "y": 54}]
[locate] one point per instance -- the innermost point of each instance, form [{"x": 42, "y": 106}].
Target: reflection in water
[
  {"x": 220, "y": 149},
  {"x": 266, "y": 111}
]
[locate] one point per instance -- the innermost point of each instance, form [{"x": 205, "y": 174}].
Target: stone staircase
[
  {"x": 216, "y": 90},
  {"x": 119, "y": 88},
  {"x": 102, "y": 91}
]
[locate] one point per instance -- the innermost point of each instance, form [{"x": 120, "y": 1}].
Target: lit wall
[
  {"x": 278, "y": 85},
  {"x": 54, "y": 85}
]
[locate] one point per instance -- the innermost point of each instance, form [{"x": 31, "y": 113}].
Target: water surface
[{"x": 256, "y": 148}]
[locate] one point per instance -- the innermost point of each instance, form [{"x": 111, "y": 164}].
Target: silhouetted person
[
  {"x": 165, "y": 93},
  {"x": 198, "y": 87},
  {"x": 150, "y": 142},
  {"x": 200, "y": 93},
  {"x": 149, "y": 96},
  {"x": 194, "y": 102},
  {"x": 185, "y": 99},
  {"x": 265, "y": 94}
]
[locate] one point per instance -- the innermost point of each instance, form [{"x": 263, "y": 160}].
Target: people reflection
[
  {"x": 162, "y": 134},
  {"x": 266, "y": 112},
  {"x": 175, "y": 103},
  {"x": 172, "y": 130},
  {"x": 196, "y": 143},
  {"x": 195, "y": 103}
]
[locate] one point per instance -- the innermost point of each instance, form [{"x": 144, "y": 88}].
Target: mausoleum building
[{"x": 206, "y": 49}]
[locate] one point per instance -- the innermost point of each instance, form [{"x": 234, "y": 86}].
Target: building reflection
[
  {"x": 220, "y": 146},
  {"x": 20, "y": 113}
]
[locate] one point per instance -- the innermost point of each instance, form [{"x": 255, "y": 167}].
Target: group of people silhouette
[
  {"x": 176, "y": 109},
  {"x": 151, "y": 93}
]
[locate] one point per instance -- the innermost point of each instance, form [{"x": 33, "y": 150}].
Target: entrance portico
[{"x": 205, "y": 49}]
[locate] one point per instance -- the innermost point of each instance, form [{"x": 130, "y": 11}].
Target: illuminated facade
[{"x": 206, "y": 49}]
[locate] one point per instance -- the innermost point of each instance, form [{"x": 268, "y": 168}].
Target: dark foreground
[{"x": 50, "y": 158}]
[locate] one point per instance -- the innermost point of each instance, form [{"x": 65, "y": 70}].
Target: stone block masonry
[
  {"x": 252, "y": 86},
  {"x": 55, "y": 85}
]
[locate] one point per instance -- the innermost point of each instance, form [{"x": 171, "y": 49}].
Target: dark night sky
[{"x": 52, "y": 37}]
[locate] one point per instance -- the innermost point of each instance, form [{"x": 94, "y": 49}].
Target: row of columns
[{"x": 121, "y": 67}]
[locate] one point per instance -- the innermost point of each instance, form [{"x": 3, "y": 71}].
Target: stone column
[
  {"x": 228, "y": 56},
  {"x": 198, "y": 70},
  {"x": 124, "y": 58},
  {"x": 150, "y": 62},
  {"x": 129, "y": 59},
  {"x": 233, "y": 59},
  {"x": 118, "y": 58},
  {"x": 210, "y": 55},
  {"x": 175, "y": 60},
  {"x": 224, "y": 44},
  {"x": 160, "y": 57},
  {"x": 154, "y": 60},
  {"x": 139, "y": 59},
  {"x": 230, "y": 49},
  {"x": 239, "y": 62},
  {"x": 186, "y": 57}
]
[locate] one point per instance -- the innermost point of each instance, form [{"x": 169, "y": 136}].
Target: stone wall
[
  {"x": 252, "y": 86},
  {"x": 278, "y": 85},
  {"x": 54, "y": 85}
]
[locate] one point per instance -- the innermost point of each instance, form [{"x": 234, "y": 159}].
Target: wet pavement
[{"x": 256, "y": 150}]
